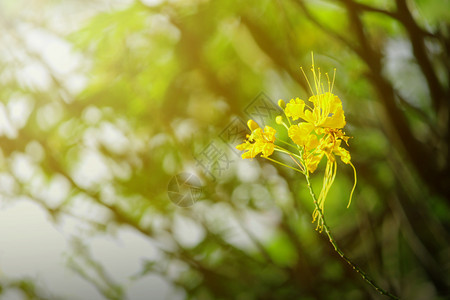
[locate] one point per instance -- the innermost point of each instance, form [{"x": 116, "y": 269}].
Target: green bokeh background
[{"x": 154, "y": 84}]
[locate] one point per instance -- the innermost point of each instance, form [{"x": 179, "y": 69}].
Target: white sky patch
[
  {"x": 49, "y": 114},
  {"x": 158, "y": 140},
  {"x": 59, "y": 56},
  {"x": 220, "y": 217},
  {"x": 48, "y": 54},
  {"x": 22, "y": 167},
  {"x": 35, "y": 39},
  {"x": 31, "y": 247},
  {"x": 35, "y": 151},
  {"x": 262, "y": 226},
  {"x": 84, "y": 208},
  {"x": 56, "y": 53},
  {"x": 91, "y": 169},
  {"x": 184, "y": 129},
  {"x": 11, "y": 7},
  {"x": 187, "y": 232},
  {"x": 73, "y": 225},
  {"x": 91, "y": 115},
  {"x": 113, "y": 138},
  {"x": 90, "y": 138},
  {"x": 154, "y": 287},
  {"x": 8, "y": 185},
  {"x": 34, "y": 75},
  {"x": 108, "y": 194},
  {"x": 152, "y": 2},
  {"x": 401, "y": 68},
  {"x": 123, "y": 254},
  {"x": 19, "y": 109},
  {"x": 56, "y": 192},
  {"x": 6, "y": 128},
  {"x": 247, "y": 170},
  {"x": 75, "y": 83}
]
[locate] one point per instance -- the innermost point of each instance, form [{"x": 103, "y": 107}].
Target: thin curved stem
[
  {"x": 289, "y": 144},
  {"x": 284, "y": 165},
  {"x": 366, "y": 277},
  {"x": 285, "y": 151}
]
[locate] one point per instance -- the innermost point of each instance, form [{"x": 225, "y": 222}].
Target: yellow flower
[
  {"x": 302, "y": 134},
  {"x": 327, "y": 111},
  {"x": 259, "y": 141},
  {"x": 330, "y": 145}
]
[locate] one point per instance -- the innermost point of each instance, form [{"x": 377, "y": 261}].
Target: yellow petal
[
  {"x": 336, "y": 120},
  {"x": 312, "y": 142},
  {"x": 259, "y": 141},
  {"x": 269, "y": 134},
  {"x": 256, "y": 135},
  {"x": 247, "y": 146},
  {"x": 299, "y": 134},
  {"x": 335, "y": 114},
  {"x": 313, "y": 161},
  {"x": 241, "y": 147},
  {"x": 247, "y": 154},
  {"x": 344, "y": 154},
  {"x": 309, "y": 116},
  {"x": 295, "y": 108},
  {"x": 268, "y": 149}
]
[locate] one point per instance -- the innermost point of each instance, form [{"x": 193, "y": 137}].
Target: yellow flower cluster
[{"x": 317, "y": 134}]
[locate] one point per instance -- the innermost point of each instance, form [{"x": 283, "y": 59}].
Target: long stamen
[
  {"x": 285, "y": 151},
  {"x": 315, "y": 77},
  {"x": 334, "y": 76},
  {"x": 329, "y": 84},
  {"x": 284, "y": 165},
  {"x": 354, "y": 185},
  {"x": 300, "y": 166},
  {"x": 307, "y": 81}
]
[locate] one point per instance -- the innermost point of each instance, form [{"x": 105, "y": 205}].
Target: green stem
[
  {"x": 284, "y": 165},
  {"x": 283, "y": 150},
  {"x": 339, "y": 251},
  {"x": 289, "y": 144}
]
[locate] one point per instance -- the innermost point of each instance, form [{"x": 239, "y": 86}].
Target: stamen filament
[{"x": 287, "y": 166}]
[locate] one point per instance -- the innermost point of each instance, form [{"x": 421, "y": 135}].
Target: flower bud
[
  {"x": 252, "y": 125},
  {"x": 279, "y": 120},
  {"x": 281, "y": 103}
]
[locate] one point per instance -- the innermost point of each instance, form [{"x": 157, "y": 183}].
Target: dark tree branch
[
  {"x": 268, "y": 47},
  {"x": 369, "y": 8},
  {"x": 416, "y": 36},
  {"x": 322, "y": 27}
]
